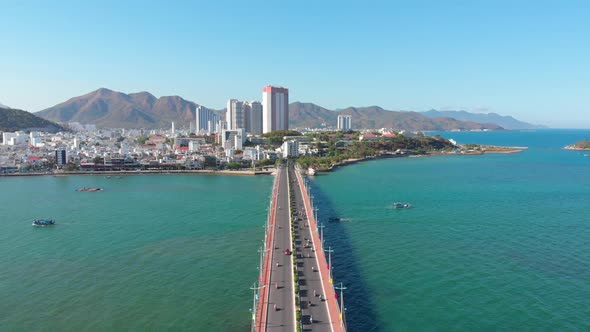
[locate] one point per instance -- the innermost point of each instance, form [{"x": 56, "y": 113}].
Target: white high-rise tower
[
  {"x": 344, "y": 122},
  {"x": 235, "y": 115},
  {"x": 275, "y": 108}
]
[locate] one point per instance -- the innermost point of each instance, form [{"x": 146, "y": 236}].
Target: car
[{"x": 287, "y": 251}]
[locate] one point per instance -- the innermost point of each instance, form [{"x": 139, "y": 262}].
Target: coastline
[
  {"x": 574, "y": 148},
  {"x": 120, "y": 173},
  {"x": 486, "y": 149}
]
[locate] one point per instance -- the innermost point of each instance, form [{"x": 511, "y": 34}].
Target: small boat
[
  {"x": 89, "y": 189},
  {"x": 334, "y": 219},
  {"x": 43, "y": 222},
  {"x": 399, "y": 205}
]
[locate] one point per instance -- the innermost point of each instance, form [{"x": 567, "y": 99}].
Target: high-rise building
[
  {"x": 61, "y": 157},
  {"x": 220, "y": 125},
  {"x": 235, "y": 115},
  {"x": 202, "y": 116},
  {"x": 275, "y": 108},
  {"x": 206, "y": 120},
  {"x": 344, "y": 122},
  {"x": 253, "y": 117},
  {"x": 212, "y": 124}
]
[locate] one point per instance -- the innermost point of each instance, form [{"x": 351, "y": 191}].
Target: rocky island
[{"x": 581, "y": 145}]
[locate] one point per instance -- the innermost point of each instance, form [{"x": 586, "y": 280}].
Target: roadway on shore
[{"x": 281, "y": 289}]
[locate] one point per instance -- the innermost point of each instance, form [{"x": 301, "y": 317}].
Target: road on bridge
[
  {"x": 282, "y": 293},
  {"x": 314, "y": 308}
]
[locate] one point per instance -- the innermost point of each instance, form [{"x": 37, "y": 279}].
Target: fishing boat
[
  {"x": 43, "y": 222},
  {"x": 89, "y": 189},
  {"x": 399, "y": 205}
]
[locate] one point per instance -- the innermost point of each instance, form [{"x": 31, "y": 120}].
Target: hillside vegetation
[{"x": 15, "y": 120}]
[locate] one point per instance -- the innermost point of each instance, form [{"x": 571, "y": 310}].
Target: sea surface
[
  {"x": 497, "y": 242},
  {"x": 150, "y": 253},
  {"x": 493, "y": 242}
]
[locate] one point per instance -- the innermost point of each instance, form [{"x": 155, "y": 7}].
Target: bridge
[{"x": 295, "y": 290}]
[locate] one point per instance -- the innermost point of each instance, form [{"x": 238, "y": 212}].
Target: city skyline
[{"x": 527, "y": 60}]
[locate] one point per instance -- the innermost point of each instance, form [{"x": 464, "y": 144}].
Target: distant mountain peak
[
  {"x": 4, "y": 106},
  {"x": 103, "y": 91},
  {"x": 143, "y": 94},
  {"x": 112, "y": 109},
  {"x": 308, "y": 115},
  {"x": 505, "y": 121}
]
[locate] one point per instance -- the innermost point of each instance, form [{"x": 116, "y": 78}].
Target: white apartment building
[
  {"x": 235, "y": 114},
  {"x": 205, "y": 120},
  {"x": 344, "y": 122},
  {"x": 16, "y": 138},
  {"x": 290, "y": 149},
  {"x": 233, "y": 139},
  {"x": 275, "y": 108},
  {"x": 253, "y": 117}
]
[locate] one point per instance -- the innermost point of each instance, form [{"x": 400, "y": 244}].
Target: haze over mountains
[
  {"x": 314, "y": 116},
  {"x": 507, "y": 122},
  {"x": 112, "y": 109}
]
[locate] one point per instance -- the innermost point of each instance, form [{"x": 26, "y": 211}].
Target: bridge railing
[{"x": 337, "y": 324}]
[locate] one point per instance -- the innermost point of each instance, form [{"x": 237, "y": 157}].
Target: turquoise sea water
[
  {"x": 150, "y": 253},
  {"x": 494, "y": 242}
]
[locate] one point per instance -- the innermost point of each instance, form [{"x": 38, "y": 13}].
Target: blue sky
[{"x": 528, "y": 59}]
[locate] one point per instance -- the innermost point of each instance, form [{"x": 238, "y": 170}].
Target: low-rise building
[{"x": 290, "y": 149}]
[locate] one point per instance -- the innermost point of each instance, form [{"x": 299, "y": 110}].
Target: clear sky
[{"x": 528, "y": 59}]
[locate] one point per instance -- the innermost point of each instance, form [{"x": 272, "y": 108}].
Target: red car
[{"x": 287, "y": 252}]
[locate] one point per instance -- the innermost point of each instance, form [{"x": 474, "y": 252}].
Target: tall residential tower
[
  {"x": 275, "y": 108},
  {"x": 235, "y": 114},
  {"x": 253, "y": 117},
  {"x": 205, "y": 120},
  {"x": 344, "y": 122}
]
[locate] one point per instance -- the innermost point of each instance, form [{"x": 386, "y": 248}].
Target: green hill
[{"x": 15, "y": 120}]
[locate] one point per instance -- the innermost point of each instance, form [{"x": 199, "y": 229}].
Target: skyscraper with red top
[{"x": 275, "y": 108}]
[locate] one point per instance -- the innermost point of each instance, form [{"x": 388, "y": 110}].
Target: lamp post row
[{"x": 329, "y": 251}]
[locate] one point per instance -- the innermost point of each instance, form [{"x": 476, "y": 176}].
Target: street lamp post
[
  {"x": 342, "y": 309},
  {"x": 321, "y": 227},
  {"x": 330, "y": 251},
  {"x": 315, "y": 216},
  {"x": 254, "y": 304},
  {"x": 261, "y": 251}
]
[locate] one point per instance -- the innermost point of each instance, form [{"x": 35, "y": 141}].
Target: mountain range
[
  {"x": 4, "y": 106},
  {"x": 112, "y": 109},
  {"x": 507, "y": 122},
  {"x": 14, "y": 120},
  {"x": 308, "y": 115}
]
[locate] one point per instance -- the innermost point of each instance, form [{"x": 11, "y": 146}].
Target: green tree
[
  {"x": 233, "y": 166},
  {"x": 141, "y": 140}
]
